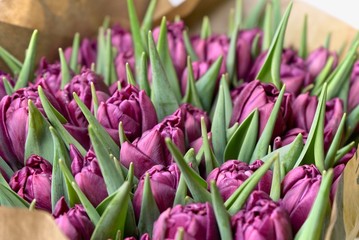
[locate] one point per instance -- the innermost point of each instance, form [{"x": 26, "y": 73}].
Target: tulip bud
[
  {"x": 49, "y": 76},
  {"x": 317, "y": 60},
  {"x": 74, "y": 222},
  {"x": 34, "y": 182},
  {"x": 255, "y": 94},
  {"x": 88, "y": 175},
  {"x": 87, "y": 53},
  {"x": 164, "y": 182},
  {"x": 131, "y": 107},
  {"x": 199, "y": 69},
  {"x": 261, "y": 219},
  {"x": 196, "y": 219},
  {"x": 230, "y": 175},
  {"x": 288, "y": 137},
  {"x": 176, "y": 44},
  {"x": 150, "y": 149}
]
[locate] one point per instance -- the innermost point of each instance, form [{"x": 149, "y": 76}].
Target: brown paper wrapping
[{"x": 57, "y": 21}]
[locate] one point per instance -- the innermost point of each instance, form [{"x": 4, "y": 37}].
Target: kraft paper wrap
[{"x": 57, "y": 21}]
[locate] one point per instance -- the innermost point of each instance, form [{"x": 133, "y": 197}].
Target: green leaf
[
  {"x": 111, "y": 175},
  {"x": 94, "y": 99},
  {"x": 231, "y": 22},
  {"x": 8, "y": 86},
  {"x": 75, "y": 52},
  {"x": 222, "y": 216},
  {"x": 90, "y": 210},
  {"x": 143, "y": 79},
  {"x": 306, "y": 156},
  {"x": 277, "y": 15},
  {"x": 189, "y": 47},
  {"x": 65, "y": 70},
  {"x": 11, "y": 61},
  {"x": 328, "y": 40},
  {"x": 238, "y": 13},
  {"x": 101, "y": 46},
  {"x": 336, "y": 143},
  {"x": 318, "y": 212},
  {"x": 109, "y": 76},
  {"x": 166, "y": 60},
  {"x": 207, "y": 83},
  {"x": 179, "y": 234},
  {"x": 101, "y": 207},
  {"x": 147, "y": 20},
  {"x": 58, "y": 184},
  {"x": 254, "y": 15},
  {"x": 114, "y": 217},
  {"x": 268, "y": 26},
  {"x": 236, "y": 201},
  {"x": 242, "y": 143},
  {"x": 231, "y": 57},
  {"x": 6, "y": 168},
  {"x": 162, "y": 96},
  {"x": 265, "y": 139},
  {"x": 136, "y": 34},
  {"x": 256, "y": 47},
  {"x": 288, "y": 154},
  {"x": 32, "y": 205},
  {"x": 102, "y": 133},
  {"x": 191, "y": 95},
  {"x": 232, "y": 130},
  {"x": 276, "y": 181},
  {"x": 322, "y": 76},
  {"x": 303, "y": 49},
  {"x": 270, "y": 71},
  {"x": 196, "y": 185},
  {"x": 351, "y": 122},
  {"x": 121, "y": 133},
  {"x": 210, "y": 158},
  {"x": 56, "y": 120},
  {"x": 9, "y": 198},
  {"x": 344, "y": 150},
  {"x": 27, "y": 71},
  {"x": 181, "y": 192},
  {"x": 206, "y": 30},
  {"x": 130, "y": 79},
  {"x": 149, "y": 210},
  {"x": 38, "y": 140}
]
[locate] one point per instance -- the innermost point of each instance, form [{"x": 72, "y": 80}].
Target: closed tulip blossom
[
  {"x": 230, "y": 175},
  {"x": 261, "y": 219},
  {"x": 317, "y": 60},
  {"x": 304, "y": 107},
  {"x": 14, "y": 115},
  {"x": 164, "y": 182},
  {"x": 130, "y": 106},
  {"x": 73, "y": 222},
  {"x": 256, "y": 95},
  {"x": 299, "y": 189},
  {"x": 176, "y": 44},
  {"x": 49, "y": 76},
  {"x": 34, "y": 182},
  {"x": 87, "y": 53},
  {"x": 197, "y": 220},
  {"x": 288, "y": 137},
  {"x": 150, "y": 149},
  {"x": 199, "y": 69},
  {"x": 88, "y": 176}
]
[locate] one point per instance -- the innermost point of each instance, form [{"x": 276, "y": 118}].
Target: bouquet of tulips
[{"x": 153, "y": 134}]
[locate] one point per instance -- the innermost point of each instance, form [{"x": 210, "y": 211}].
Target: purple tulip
[
  {"x": 34, "y": 182},
  {"x": 131, "y": 106},
  {"x": 245, "y": 43},
  {"x": 299, "y": 189},
  {"x": 14, "y": 123},
  {"x": 288, "y": 137},
  {"x": 49, "y": 76},
  {"x": 304, "y": 107},
  {"x": 211, "y": 48},
  {"x": 150, "y": 149},
  {"x": 87, "y": 53},
  {"x": 197, "y": 220},
  {"x": 88, "y": 175},
  {"x": 143, "y": 237},
  {"x": 317, "y": 60},
  {"x": 120, "y": 62},
  {"x": 176, "y": 44},
  {"x": 261, "y": 219},
  {"x": 74, "y": 222},
  {"x": 230, "y": 175},
  {"x": 353, "y": 98},
  {"x": 256, "y": 95},
  {"x": 199, "y": 69},
  {"x": 164, "y": 182}
]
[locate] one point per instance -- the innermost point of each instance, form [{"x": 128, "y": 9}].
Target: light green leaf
[
  {"x": 268, "y": 26},
  {"x": 9, "y": 198},
  {"x": 189, "y": 47},
  {"x": 143, "y": 78},
  {"x": 210, "y": 158},
  {"x": 334, "y": 146},
  {"x": 231, "y": 57},
  {"x": 206, "y": 30},
  {"x": 303, "y": 49},
  {"x": 11, "y": 61},
  {"x": 75, "y": 52},
  {"x": 147, "y": 20},
  {"x": 254, "y": 15},
  {"x": 65, "y": 70},
  {"x": 8, "y": 86},
  {"x": 191, "y": 95},
  {"x": 276, "y": 181},
  {"x": 130, "y": 79},
  {"x": 6, "y": 168}
]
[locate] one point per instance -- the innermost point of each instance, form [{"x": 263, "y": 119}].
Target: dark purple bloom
[
  {"x": 49, "y": 76},
  {"x": 73, "y": 222},
  {"x": 164, "y": 182},
  {"x": 255, "y": 94},
  {"x": 150, "y": 149},
  {"x": 14, "y": 123},
  {"x": 288, "y": 137},
  {"x": 230, "y": 175},
  {"x": 261, "y": 219},
  {"x": 34, "y": 182},
  {"x": 176, "y": 44},
  {"x": 317, "y": 60},
  {"x": 88, "y": 176},
  {"x": 130, "y": 106},
  {"x": 197, "y": 220}
]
